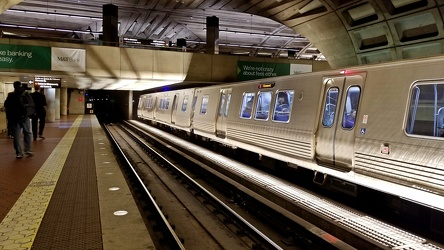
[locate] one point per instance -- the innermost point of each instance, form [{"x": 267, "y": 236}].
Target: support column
[
  {"x": 131, "y": 102},
  {"x": 212, "y": 35},
  {"x": 57, "y": 104},
  {"x": 110, "y": 25},
  {"x": 50, "y": 105},
  {"x": 63, "y": 101}
]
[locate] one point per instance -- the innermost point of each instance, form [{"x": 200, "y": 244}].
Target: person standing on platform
[
  {"x": 9, "y": 126},
  {"x": 19, "y": 107},
  {"x": 40, "y": 113}
]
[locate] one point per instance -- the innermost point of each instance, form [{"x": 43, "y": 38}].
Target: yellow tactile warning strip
[
  {"x": 19, "y": 228},
  {"x": 121, "y": 222}
]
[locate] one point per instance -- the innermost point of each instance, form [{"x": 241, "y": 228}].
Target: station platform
[{"x": 70, "y": 194}]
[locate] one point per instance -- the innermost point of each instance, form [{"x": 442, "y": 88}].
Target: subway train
[{"x": 379, "y": 126}]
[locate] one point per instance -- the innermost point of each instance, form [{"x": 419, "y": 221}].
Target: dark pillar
[
  {"x": 110, "y": 25},
  {"x": 182, "y": 43},
  {"x": 212, "y": 35}
]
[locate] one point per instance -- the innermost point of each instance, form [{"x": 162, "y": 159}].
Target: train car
[
  {"x": 140, "y": 106},
  {"x": 397, "y": 136},
  {"x": 209, "y": 120},
  {"x": 379, "y": 126},
  {"x": 171, "y": 108},
  {"x": 147, "y": 105},
  {"x": 183, "y": 112},
  {"x": 274, "y": 117}
]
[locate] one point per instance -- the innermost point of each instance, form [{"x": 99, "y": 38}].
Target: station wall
[{"x": 105, "y": 62}]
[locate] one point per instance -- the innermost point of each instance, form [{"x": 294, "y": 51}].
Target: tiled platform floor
[{"x": 64, "y": 197}]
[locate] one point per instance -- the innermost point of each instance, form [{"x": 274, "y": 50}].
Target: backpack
[{"x": 27, "y": 107}]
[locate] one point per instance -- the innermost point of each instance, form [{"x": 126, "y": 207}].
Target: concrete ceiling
[
  {"x": 158, "y": 21},
  {"x": 344, "y": 32}
]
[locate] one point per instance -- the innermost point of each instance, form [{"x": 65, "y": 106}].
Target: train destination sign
[
  {"x": 265, "y": 85},
  {"x": 48, "y": 82}
]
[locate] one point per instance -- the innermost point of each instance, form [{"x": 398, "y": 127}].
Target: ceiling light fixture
[
  {"x": 43, "y": 28},
  {"x": 52, "y": 14}
]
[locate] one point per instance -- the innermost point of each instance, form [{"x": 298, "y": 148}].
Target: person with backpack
[
  {"x": 19, "y": 107},
  {"x": 39, "y": 118}
]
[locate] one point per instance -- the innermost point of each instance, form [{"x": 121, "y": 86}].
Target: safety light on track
[{"x": 343, "y": 72}]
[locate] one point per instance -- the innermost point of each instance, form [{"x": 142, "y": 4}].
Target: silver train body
[{"x": 379, "y": 126}]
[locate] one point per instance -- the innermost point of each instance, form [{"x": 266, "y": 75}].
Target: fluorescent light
[
  {"x": 16, "y": 11},
  {"x": 53, "y": 14},
  {"x": 65, "y": 30},
  {"x": 8, "y": 25},
  {"x": 34, "y": 12},
  {"x": 42, "y": 28},
  {"x": 26, "y": 27}
]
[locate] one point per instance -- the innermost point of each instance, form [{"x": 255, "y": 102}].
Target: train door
[
  {"x": 336, "y": 130},
  {"x": 174, "y": 108},
  {"x": 154, "y": 108},
  {"x": 221, "y": 120},
  {"x": 147, "y": 109},
  {"x": 140, "y": 106}
]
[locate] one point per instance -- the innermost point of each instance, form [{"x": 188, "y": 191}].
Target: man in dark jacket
[
  {"x": 40, "y": 113},
  {"x": 19, "y": 107}
]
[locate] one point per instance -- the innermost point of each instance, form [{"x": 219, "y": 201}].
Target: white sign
[
  {"x": 48, "y": 82},
  {"x": 300, "y": 68},
  {"x": 68, "y": 60}
]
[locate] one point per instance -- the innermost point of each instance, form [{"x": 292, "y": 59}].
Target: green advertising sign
[
  {"x": 257, "y": 70},
  {"x": 25, "y": 57}
]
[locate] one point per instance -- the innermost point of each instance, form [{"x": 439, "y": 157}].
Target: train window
[
  {"x": 330, "y": 107},
  {"x": 228, "y": 105},
  {"x": 164, "y": 103},
  {"x": 185, "y": 103},
  {"x": 350, "y": 107},
  {"x": 222, "y": 102},
  {"x": 426, "y": 110},
  {"x": 204, "y": 106},
  {"x": 247, "y": 105},
  {"x": 282, "y": 105},
  {"x": 263, "y": 105},
  {"x": 148, "y": 103}
]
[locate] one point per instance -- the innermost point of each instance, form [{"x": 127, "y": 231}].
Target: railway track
[
  {"x": 191, "y": 215},
  {"x": 263, "y": 212}
]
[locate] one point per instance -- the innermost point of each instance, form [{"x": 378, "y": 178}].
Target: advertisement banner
[
  {"x": 25, "y": 57},
  {"x": 68, "y": 60},
  {"x": 258, "y": 70}
]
